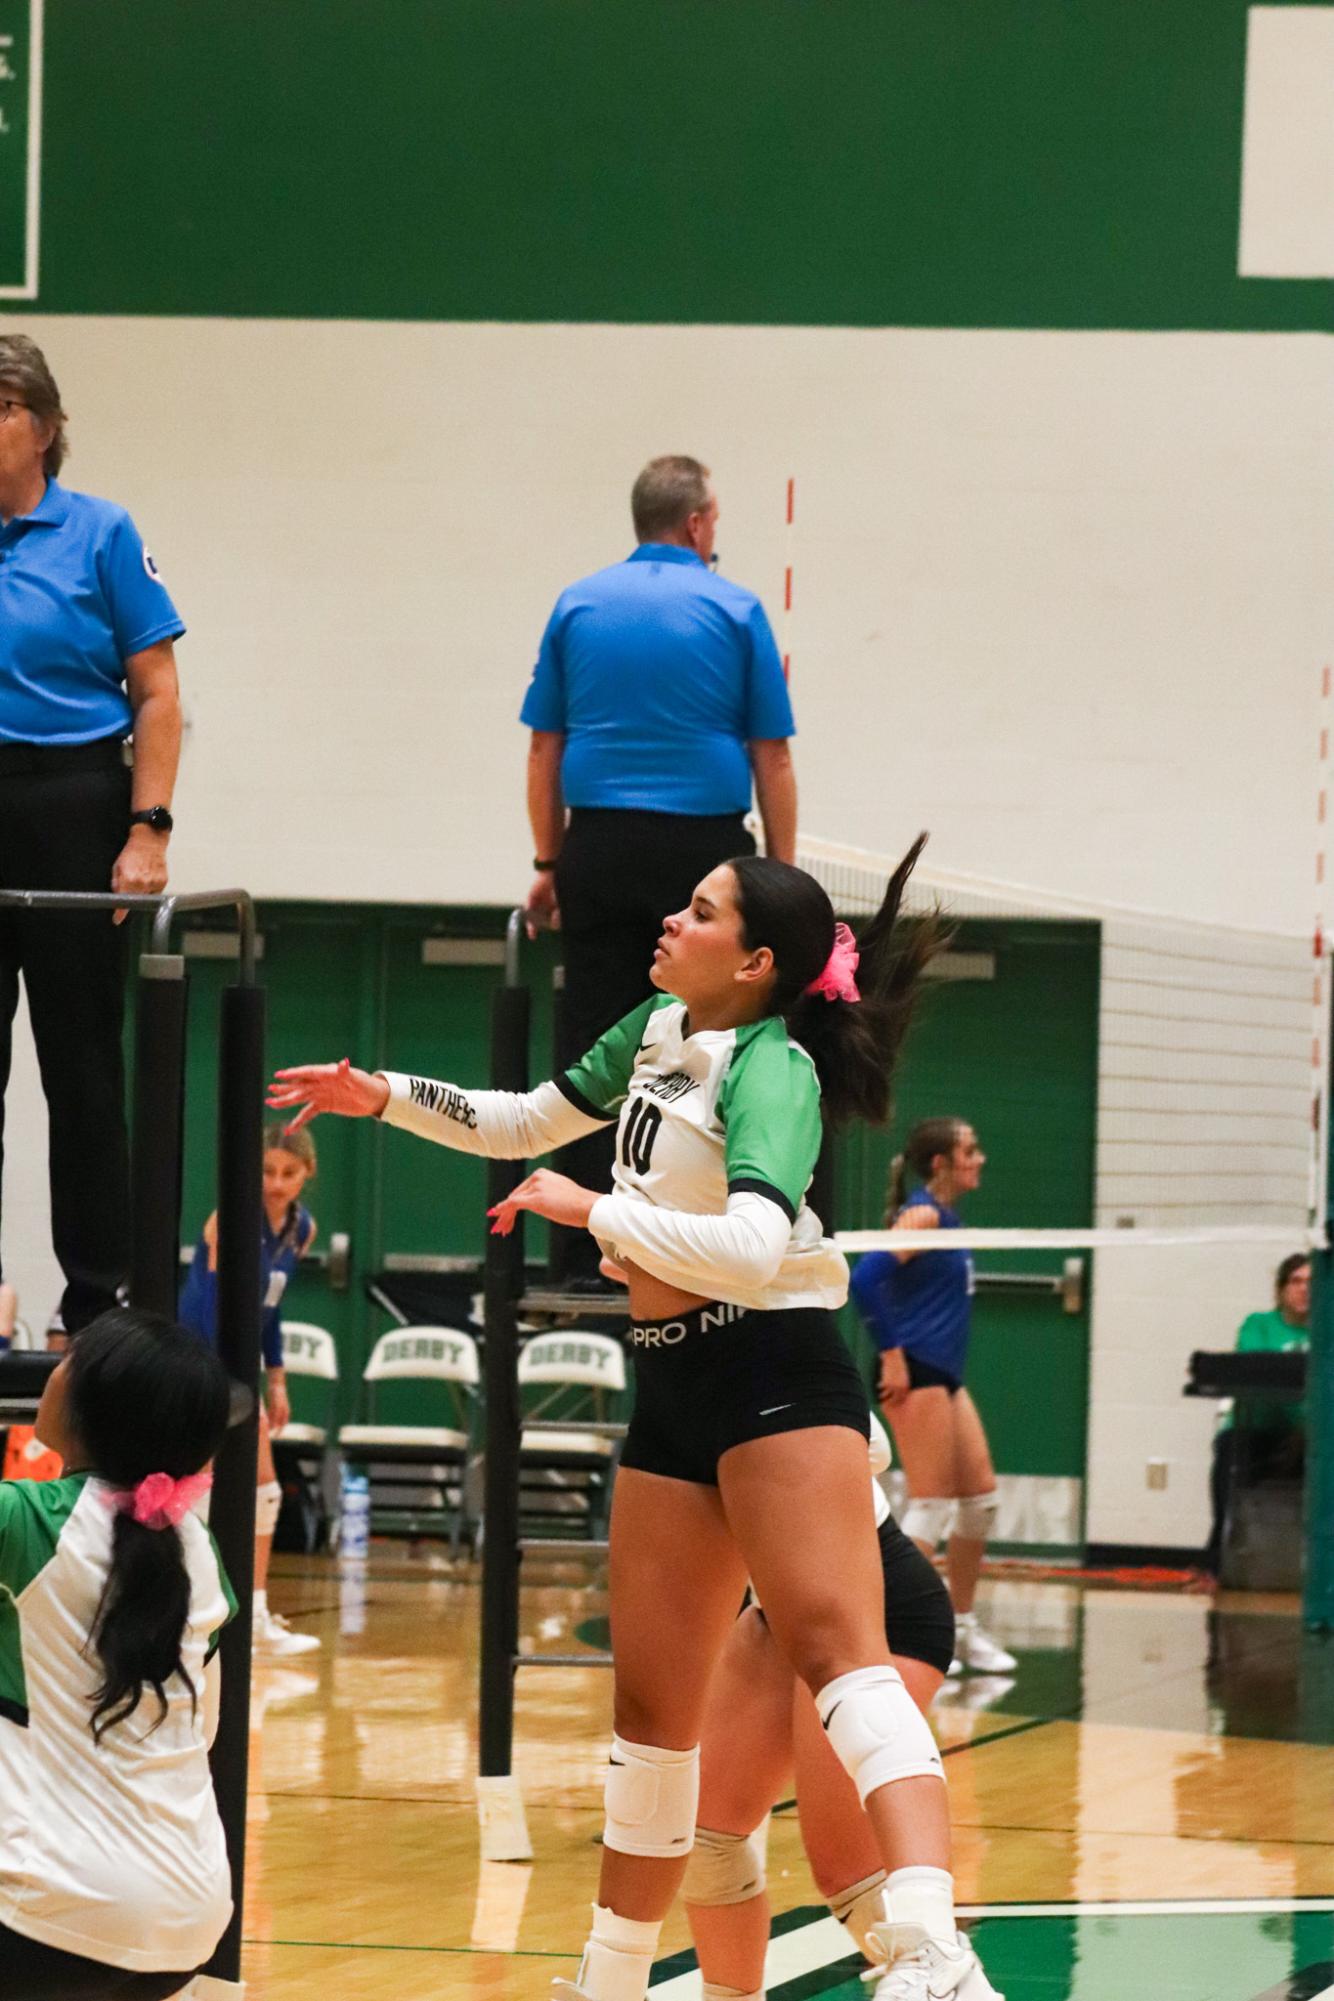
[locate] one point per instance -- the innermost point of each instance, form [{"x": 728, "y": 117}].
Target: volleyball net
[{"x": 1151, "y": 1094}]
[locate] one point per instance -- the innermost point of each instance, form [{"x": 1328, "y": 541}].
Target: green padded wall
[{"x": 1039, "y": 163}]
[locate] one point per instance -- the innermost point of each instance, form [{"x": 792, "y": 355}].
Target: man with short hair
[{"x": 657, "y": 701}]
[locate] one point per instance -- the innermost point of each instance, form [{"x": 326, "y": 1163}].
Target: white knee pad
[
  {"x": 860, "y": 1906},
  {"x": 268, "y": 1506},
  {"x": 877, "y": 1730},
  {"x": 926, "y": 1520},
  {"x": 651, "y": 1798},
  {"x": 726, "y": 1868},
  {"x": 975, "y": 1516}
]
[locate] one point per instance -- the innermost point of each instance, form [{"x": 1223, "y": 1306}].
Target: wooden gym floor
[{"x": 1145, "y": 1809}]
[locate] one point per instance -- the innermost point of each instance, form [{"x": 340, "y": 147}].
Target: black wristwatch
[
  {"x": 157, "y": 817},
  {"x": 543, "y": 868}
]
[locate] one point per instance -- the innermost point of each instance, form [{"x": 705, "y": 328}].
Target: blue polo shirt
[
  {"x": 658, "y": 673},
  {"x": 79, "y": 594}
]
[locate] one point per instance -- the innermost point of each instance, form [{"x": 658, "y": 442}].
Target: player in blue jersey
[
  {"x": 287, "y": 1231},
  {"x": 917, "y": 1307}
]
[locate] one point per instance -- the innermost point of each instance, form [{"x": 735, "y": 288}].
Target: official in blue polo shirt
[
  {"x": 657, "y": 702},
  {"x": 86, "y": 661}
]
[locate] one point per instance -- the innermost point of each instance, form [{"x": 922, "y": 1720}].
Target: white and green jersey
[
  {"x": 717, "y": 1138},
  {"x": 113, "y": 1851}
]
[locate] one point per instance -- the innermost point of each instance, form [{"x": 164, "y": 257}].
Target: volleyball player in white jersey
[
  {"x": 113, "y": 1865},
  {"x": 746, "y": 1453}
]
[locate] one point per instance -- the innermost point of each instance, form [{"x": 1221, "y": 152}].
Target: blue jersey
[
  {"x": 658, "y": 674},
  {"x": 922, "y": 1304},
  {"x": 281, "y": 1251},
  {"x": 79, "y": 595}
]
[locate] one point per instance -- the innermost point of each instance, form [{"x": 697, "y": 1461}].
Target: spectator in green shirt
[{"x": 1275, "y": 1432}]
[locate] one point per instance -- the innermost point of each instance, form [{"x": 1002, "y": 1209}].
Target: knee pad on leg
[
  {"x": 726, "y": 1868},
  {"x": 927, "y": 1520},
  {"x": 651, "y": 1798},
  {"x": 876, "y": 1730},
  {"x": 975, "y": 1516},
  {"x": 860, "y": 1906},
  {"x": 268, "y": 1506}
]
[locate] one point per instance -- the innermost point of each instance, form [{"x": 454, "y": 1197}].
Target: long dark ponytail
[
  {"x": 853, "y": 1044},
  {"x": 144, "y": 1396}
]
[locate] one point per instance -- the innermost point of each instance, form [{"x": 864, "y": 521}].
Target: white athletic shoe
[
  {"x": 273, "y": 1636},
  {"x": 915, "y": 1967},
  {"x": 975, "y": 1652}
]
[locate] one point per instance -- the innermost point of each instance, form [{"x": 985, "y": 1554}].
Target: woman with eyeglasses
[{"x": 86, "y": 661}]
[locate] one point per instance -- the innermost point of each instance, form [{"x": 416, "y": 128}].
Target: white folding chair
[
  {"x": 572, "y": 1389},
  {"x": 416, "y": 1470}
]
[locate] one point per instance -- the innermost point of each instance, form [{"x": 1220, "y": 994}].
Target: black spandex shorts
[
  {"x": 33, "y": 1972},
  {"x": 720, "y": 1376},
  {"x": 919, "y": 1618},
  {"x": 926, "y": 1376}
]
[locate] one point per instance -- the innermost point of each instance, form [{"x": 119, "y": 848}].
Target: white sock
[
  {"x": 965, "y": 1619},
  {"x": 922, "y": 1896},
  {"x": 712, "y": 1992},
  {"x": 618, "y": 1957},
  {"x": 261, "y": 1605}
]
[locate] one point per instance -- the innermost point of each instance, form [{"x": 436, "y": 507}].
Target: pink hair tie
[
  {"x": 159, "y": 1502},
  {"x": 838, "y": 980}
]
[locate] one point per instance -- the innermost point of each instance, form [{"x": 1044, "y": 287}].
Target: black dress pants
[
  {"x": 64, "y": 815},
  {"x": 619, "y": 874},
  {"x": 33, "y": 1972}
]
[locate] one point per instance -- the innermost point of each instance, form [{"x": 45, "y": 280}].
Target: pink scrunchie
[
  {"x": 159, "y": 1502},
  {"x": 837, "y": 981}
]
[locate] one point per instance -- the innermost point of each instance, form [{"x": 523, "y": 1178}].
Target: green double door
[{"x": 407, "y": 989}]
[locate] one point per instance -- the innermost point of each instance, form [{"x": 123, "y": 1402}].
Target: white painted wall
[{"x": 1061, "y": 597}]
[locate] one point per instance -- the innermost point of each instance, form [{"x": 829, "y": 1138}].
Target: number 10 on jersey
[{"x": 638, "y": 1134}]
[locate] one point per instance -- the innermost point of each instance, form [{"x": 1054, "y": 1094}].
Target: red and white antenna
[
  {"x": 787, "y": 578},
  {"x": 1319, "y": 1174}
]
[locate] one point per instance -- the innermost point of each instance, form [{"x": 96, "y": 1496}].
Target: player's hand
[
  {"x": 541, "y": 912},
  {"x": 610, "y": 1269},
  {"x": 326, "y": 1087},
  {"x": 554, "y": 1196},
  {"x": 893, "y": 1383}
]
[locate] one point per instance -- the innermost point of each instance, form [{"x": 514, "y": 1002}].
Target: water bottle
[{"x": 354, "y": 1514}]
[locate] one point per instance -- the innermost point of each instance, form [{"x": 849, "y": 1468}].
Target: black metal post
[
  {"x": 159, "y": 1123},
  {"x": 240, "y": 1193},
  {"x": 503, "y": 1284}
]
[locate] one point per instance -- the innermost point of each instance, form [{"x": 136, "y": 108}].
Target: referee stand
[{"x": 157, "y": 1151}]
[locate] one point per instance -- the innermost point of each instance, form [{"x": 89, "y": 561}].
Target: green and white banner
[{"x": 20, "y": 145}]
